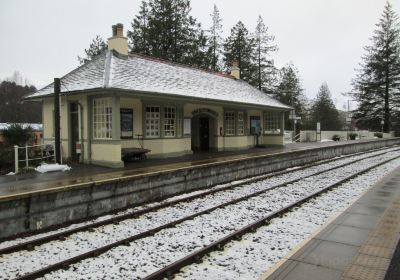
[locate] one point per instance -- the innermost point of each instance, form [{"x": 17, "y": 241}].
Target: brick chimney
[
  {"x": 118, "y": 42},
  {"x": 235, "y": 70}
]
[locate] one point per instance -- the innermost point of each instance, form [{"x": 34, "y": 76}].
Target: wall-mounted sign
[
  {"x": 187, "y": 126},
  {"x": 126, "y": 123}
]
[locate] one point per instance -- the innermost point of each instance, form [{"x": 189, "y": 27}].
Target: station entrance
[{"x": 203, "y": 130}]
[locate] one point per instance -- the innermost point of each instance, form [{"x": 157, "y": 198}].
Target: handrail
[{"x": 27, "y": 159}]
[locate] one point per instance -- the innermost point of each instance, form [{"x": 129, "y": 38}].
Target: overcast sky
[{"x": 323, "y": 38}]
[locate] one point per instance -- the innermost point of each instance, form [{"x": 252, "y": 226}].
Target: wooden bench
[{"x": 134, "y": 153}]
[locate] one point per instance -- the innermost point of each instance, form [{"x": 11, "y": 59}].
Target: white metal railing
[{"x": 34, "y": 153}]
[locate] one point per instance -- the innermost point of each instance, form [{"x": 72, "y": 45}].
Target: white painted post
[
  {"x": 16, "y": 158},
  {"x": 26, "y": 156}
]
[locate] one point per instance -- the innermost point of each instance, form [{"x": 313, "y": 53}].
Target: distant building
[
  {"x": 37, "y": 131},
  {"x": 117, "y": 98}
]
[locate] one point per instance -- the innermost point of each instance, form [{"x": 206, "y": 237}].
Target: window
[
  {"x": 229, "y": 123},
  {"x": 102, "y": 118},
  {"x": 169, "y": 121},
  {"x": 152, "y": 122},
  {"x": 272, "y": 123},
  {"x": 240, "y": 123}
]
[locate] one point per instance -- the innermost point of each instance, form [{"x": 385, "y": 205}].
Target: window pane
[
  {"x": 152, "y": 121},
  {"x": 102, "y": 118},
  {"x": 272, "y": 122},
  {"x": 229, "y": 118}
]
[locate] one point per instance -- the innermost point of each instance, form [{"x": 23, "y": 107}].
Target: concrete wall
[{"x": 71, "y": 203}]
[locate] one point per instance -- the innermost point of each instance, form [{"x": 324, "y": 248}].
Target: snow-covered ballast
[{"x": 119, "y": 100}]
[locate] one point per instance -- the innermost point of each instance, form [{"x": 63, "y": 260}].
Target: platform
[
  {"x": 358, "y": 245},
  {"x": 80, "y": 174},
  {"x": 11, "y": 186}
]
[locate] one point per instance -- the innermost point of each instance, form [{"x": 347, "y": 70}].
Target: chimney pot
[{"x": 118, "y": 42}]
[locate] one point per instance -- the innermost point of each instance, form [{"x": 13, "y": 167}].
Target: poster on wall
[
  {"x": 255, "y": 125},
  {"x": 126, "y": 123}
]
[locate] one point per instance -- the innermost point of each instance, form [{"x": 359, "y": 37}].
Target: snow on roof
[
  {"x": 34, "y": 126},
  {"x": 140, "y": 73}
]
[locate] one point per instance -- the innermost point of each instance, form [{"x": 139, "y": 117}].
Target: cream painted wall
[
  {"x": 273, "y": 139},
  {"x": 136, "y": 105},
  {"x": 48, "y": 125},
  {"x": 237, "y": 142},
  {"x": 165, "y": 145},
  {"x": 106, "y": 152}
]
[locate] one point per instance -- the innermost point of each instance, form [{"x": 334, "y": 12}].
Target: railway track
[
  {"x": 57, "y": 235},
  {"x": 217, "y": 244}
]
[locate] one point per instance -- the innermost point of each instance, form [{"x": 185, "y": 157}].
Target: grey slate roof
[{"x": 137, "y": 73}]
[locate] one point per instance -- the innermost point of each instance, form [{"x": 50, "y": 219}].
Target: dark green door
[{"x": 204, "y": 134}]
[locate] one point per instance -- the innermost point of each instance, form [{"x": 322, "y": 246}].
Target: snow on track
[
  {"x": 146, "y": 255},
  {"x": 257, "y": 252},
  {"x": 168, "y": 245}
]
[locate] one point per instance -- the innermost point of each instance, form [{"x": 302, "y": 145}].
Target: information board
[{"x": 126, "y": 123}]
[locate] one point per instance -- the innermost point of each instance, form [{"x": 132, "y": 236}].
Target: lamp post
[{"x": 382, "y": 123}]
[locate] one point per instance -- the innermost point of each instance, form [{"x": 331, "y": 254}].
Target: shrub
[
  {"x": 378, "y": 134},
  {"x": 353, "y": 136},
  {"x": 16, "y": 134},
  {"x": 336, "y": 137},
  {"x": 6, "y": 159}
]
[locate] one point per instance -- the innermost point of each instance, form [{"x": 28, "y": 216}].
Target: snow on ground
[
  {"x": 45, "y": 167},
  {"x": 256, "y": 253},
  {"x": 150, "y": 254},
  {"x": 278, "y": 179}
]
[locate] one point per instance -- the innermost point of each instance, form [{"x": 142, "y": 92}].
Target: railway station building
[{"x": 120, "y": 100}]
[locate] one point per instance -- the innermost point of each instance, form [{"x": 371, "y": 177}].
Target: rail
[{"x": 171, "y": 269}]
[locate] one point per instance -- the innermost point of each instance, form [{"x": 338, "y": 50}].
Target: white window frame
[
  {"x": 169, "y": 122},
  {"x": 152, "y": 121},
  {"x": 229, "y": 120},
  {"x": 102, "y": 118},
  {"x": 272, "y": 122},
  {"x": 240, "y": 123}
]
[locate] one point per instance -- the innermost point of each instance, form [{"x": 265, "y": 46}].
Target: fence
[
  {"x": 41, "y": 152},
  {"x": 311, "y": 135}
]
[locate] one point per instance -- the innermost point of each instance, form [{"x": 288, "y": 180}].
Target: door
[
  {"x": 204, "y": 134},
  {"x": 74, "y": 109}
]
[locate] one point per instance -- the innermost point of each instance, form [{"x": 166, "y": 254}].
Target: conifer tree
[
  {"x": 324, "y": 110},
  {"x": 97, "y": 46},
  {"x": 264, "y": 44},
  {"x": 138, "y": 38},
  {"x": 377, "y": 84},
  {"x": 290, "y": 92},
  {"x": 239, "y": 46},
  {"x": 215, "y": 39},
  {"x": 165, "y": 29}
]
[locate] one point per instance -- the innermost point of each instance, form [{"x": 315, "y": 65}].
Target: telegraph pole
[{"x": 57, "y": 136}]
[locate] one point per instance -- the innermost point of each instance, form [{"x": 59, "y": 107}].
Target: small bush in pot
[
  {"x": 336, "y": 137},
  {"x": 378, "y": 134}
]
